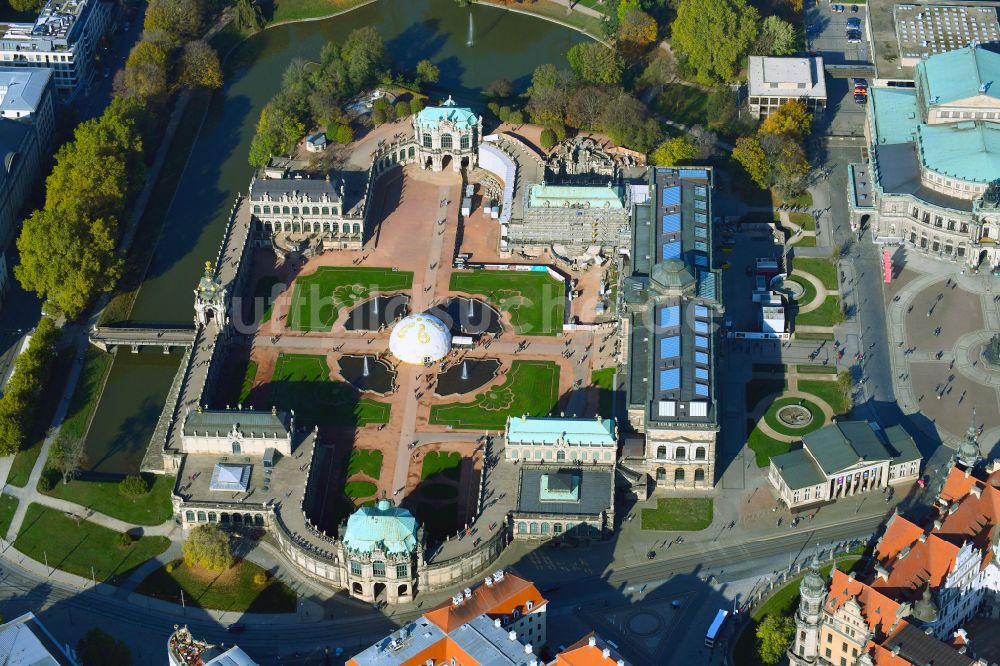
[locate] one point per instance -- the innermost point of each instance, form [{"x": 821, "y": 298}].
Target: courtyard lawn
[
  {"x": 687, "y": 514},
  {"x": 804, "y": 220},
  {"x": 302, "y": 382},
  {"x": 96, "y": 366},
  {"x": 604, "y": 380},
  {"x": 810, "y": 335},
  {"x": 8, "y": 505},
  {"x": 448, "y": 463},
  {"x": 77, "y": 546},
  {"x": 828, "y": 314},
  {"x": 249, "y": 374},
  {"x": 683, "y": 104},
  {"x": 318, "y": 297},
  {"x": 764, "y": 447},
  {"x": 365, "y": 461},
  {"x": 816, "y": 369},
  {"x": 232, "y": 590},
  {"x": 535, "y": 301},
  {"x": 153, "y": 508},
  {"x": 804, "y": 199},
  {"x": 803, "y": 241},
  {"x": 771, "y": 417},
  {"x": 824, "y": 269},
  {"x": 830, "y": 392},
  {"x": 808, "y": 290},
  {"x": 531, "y": 387},
  {"x": 359, "y": 489}
]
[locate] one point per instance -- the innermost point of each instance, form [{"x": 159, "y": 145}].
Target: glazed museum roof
[
  {"x": 575, "y": 196},
  {"x": 385, "y": 527},
  {"x": 586, "y": 432}
]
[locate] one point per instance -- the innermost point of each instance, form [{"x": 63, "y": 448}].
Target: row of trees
[
  {"x": 775, "y": 155},
  {"x": 312, "y": 93},
  {"x": 69, "y": 248},
  {"x": 20, "y": 398}
]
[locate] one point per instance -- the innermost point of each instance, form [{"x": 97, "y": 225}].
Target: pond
[{"x": 506, "y": 45}]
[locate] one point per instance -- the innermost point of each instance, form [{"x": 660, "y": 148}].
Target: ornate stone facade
[{"x": 447, "y": 133}]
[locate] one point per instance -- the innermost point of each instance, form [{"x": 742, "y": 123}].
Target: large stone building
[
  {"x": 572, "y": 218},
  {"x": 63, "y": 38},
  {"x": 561, "y": 440},
  {"x": 773, "y": 81},
  {"x": 672, "y": 299},
  {"x": 447, "y": 133},
  {"x": 927, "y": 581},
  {"x": 843, "y": 459},
  {"x": 239, "y": 432},
  {"x": 931, "y": 182}
]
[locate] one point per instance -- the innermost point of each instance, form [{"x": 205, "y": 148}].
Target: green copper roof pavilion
[
  {"x": 463, "y": 117},
  {"x": 967, "y": 150},
  {"x": 574, "y": 432},
  {"x": 560, "y": 196},
  {"x": 958, "y": 75},
  {"x": 385, "y": 527}
]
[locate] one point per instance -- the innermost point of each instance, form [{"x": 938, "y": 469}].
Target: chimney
[
  {"x": 512, "y": 635},
  {"x": 468, "y": 593},
  {"x": 903, "y": 553},
  {"x": 976, "y": 490},
  {"x": 497, "y": 623},
  {"x": 881, "y": 572},
  {"x": 527, "y": 648},
  {"x": 922, "y": 537},
  {"x": 606, "y": 652},
  {"x": 592, "y": 641},
  {"x": 621, "y": 662},
  {"x": 895, "y": 650},
  {"x": 938, "y": 524},
  {"x": 489, "y": 581}
]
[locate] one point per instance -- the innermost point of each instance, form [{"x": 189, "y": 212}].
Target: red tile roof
[
  {"x": 911, "y": 563},
  {"x": 878, "y": 610},
  {"x": 500, "y": 599},
  {"x": 582, "y": 653}
]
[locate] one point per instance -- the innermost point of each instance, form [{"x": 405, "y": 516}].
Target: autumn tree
[
  {"x": 774, "y": 636},
  {"x": 549, "y": 95},
  {"x": 67, "y": 455},
  {"x": 428, "y": 72},
  {"x": 26, "y": 5},
  {"x": 248, "y": 16},
  {"x": 788, "y": 164},
  {"x": 776, "y": 37},
  {"x": 199, "y": 66},
  {"x": 500, "y": 88},
  {"x": 791, "y": 119},
  {"x": 636, "y": 32},
  {"x": 626, "y": 120},
  {"x": 181, "y": 19},
  {"x": 750, "y": 154},
  {"x": 593, "y": 62},
  {"x": 146, "y": 70},
  {"x": 363, "y": 54},
  {"x": 20, "y": 396},
  {"x": 626, "y": 6},
  {"x": 208, "y": 547},
  {"x": 660, "y": 70},
  {"x": 714, "y": 36},
  {"x": 586, "y": 107},
  {"x": 674, "y": 151},
  {"x": 99, "y": 648}
]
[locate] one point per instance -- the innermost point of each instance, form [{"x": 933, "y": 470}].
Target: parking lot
[
  {"x": 843, "y": 117},
  {"x": 826, "y": 33}
]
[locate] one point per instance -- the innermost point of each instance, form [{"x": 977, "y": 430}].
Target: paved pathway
[
  {"x": 821, "y": 293},
  {"x": 29, "y": 495}
]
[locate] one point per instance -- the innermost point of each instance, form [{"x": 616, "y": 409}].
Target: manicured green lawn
[
  {"x": 824, "y": 269},
  {"x": 232, "y": 590},
  {"x": 687, "y": 514},
  {"x": 447, "y": 463},
  {"x": 804, "y": 220},
  {"x": 365, "y": 461},
  {"x": 302, "y": 382},
  {"x": 104, "y": 497},
  {"x": 771, "y": 417},
  {"x": 8, "y": 505},
  {"x": 804, "y": 199},
  {"x": 249, "y": 374},
  {"x": 816, "y": 369},
  {"x": 764, "y": 447},
  {"x": 683, "y": 104},
  {"x": 296, "y": 10},
  {"x": 95, "y": 366},
  {"x": 76, "y": 547},
  {"x": 809, "y": 335},
  {"x": 808, "y": 290},
  {"x": 828, "y": 314},
  {"x": 604, "y": 380},
  {"x": 828, "y": 391},
  {"x": 318, "y": 297},
  {"x": 803, "y": 241},
  {"x": 535, "y": 301},
  {"x": 359, "y": 489},
  {"x": 531, "y": 387}
]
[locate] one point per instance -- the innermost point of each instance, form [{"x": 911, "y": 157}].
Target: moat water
[{"x": 506, "y": 45}]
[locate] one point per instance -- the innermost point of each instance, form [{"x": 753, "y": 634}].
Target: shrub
[
  {"x": 516, "y": 118},
  {"x": 416, "y": 105},
  {"x": 548, "y": 138},
  {"x": 260, "y": 578},
  {"x": 560, "y": 131},
  {"x": 344, "y": 135},
  {"x": 402, "y": 109},
  {"x": 171, "y": 566},
  {"x": 503, "y": 113},
  {"x": 494, "y": 108},
  {"x": 45, "y": 483},
  {"x": 125, "y": 539},
  {"x": 378, "y": 116},
  {"x": 208, "y": 547},
  {"x": 133, "y": 485}
]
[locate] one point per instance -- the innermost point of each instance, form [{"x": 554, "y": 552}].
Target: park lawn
[
  {"x": 317, "y": 298},
  {"x": 359, "y": 489},
  {"x": 302, "y": 382},
  {"x": 448, "y": 463},
  {"x": 249, "y": 374},
  {"x": 683, "y": 104},
  {"x": 588, "y": 24},
  {"x": 771, "y": 417},
  {"x": 531, "y": 387},
  {"x": 365, "y": 461},
  {"x": 604, "y": 380},
  {"x": 76, "y": 547},
  {"x": 45, "y": 410},
  {"x": 828, "y": 391},
  {"x": 804, "y": 241},
  {"x": 764, "y": 447},
  {"x": 534, "y": 300},
  {"x": 153, "y": 508},
  {"x": 8, "y": 505},
  {"x": 688, "y": 514},
  {"x": 804, "y": 220},
  {"x": 232, "y": 590},
  {"x": 804, "y": 199},
  {"x": 816, "y": 369},
  {"x": 96, "y": 366},
  {"x": 824, "y": 269},
  {"x": 828, "y": 314},
  {"x": 812, "y": 335},
  {"x": 808, "y": 290},
  {"x": 297, "y": 10}
]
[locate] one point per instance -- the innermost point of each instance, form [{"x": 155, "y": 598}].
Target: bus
[{"x": 715, "y": 628}]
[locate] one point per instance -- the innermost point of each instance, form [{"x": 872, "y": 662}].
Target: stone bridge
[{"x": 106, "y": 337}]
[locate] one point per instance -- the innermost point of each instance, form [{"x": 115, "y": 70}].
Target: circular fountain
[
  {"x": 467, "y": 376},
  {"x": 367, "y": 373},
  {"x": 378, "y": 312}
]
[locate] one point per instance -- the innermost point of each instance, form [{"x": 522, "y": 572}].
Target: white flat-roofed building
[
  {"x": 774, "y": 81},
  {"x": 63, "y": 38},
  {"x": 24, "y": 641}
]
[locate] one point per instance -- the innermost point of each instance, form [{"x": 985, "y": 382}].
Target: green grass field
[
  {"x": 685, "y": 514},
  {"x": 828, "y": 391},
  {"x": 764, "y": 447},
  {"x": 604, "y": 380},
  {"x": 249, "y": 374},
  {"x": 535, "y": 301},
  {"x": 77, "y": 547},
  {"x": 359, "y": 489},
  {"x": 816, "y": 369},
  {"x": 771, "y": 417},
  {"x": 683, "y": 104},
  {"x": 828, "y": 314},
  {"x": 365, "y": 461},
  {"x": 232, "y": 590},
  {"x": 85, "y": 397},
  {"x": 824, "y": 269},
  {"x": 804, "y": 220},
  {"x": 318, "y": 298},
  {"x": 808, "y": 290},
  {"x": 104, "y": 497},
  {"x": 297, "y": 10},
  {"x": 803, "y": 241},
  {"x": 8, "y": 505},
  {"x": 531, "y": 387},
  {"x": 808, "y": 335},
  {"x": 447, "y": 463},
  {"x": 302, "y": 382}
]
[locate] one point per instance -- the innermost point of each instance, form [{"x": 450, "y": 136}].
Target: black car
[
  {"x": 860, "y": 99},
  {"x": 651, "y": 555},
  {"x": 236, "y": 628},
  {"x": 853, "y": 36}
]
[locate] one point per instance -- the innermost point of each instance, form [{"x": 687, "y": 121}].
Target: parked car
[
  {"x": 813, "y": 29},
  {"x": 853, "y": 36},
  {"x": 837, "y": 8},
  {"x": 854, "y": 23},
  {"x": 854, "y": 9},
  {"x": 861, "y": 82},
  {"x": 860, "y": 99}
]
